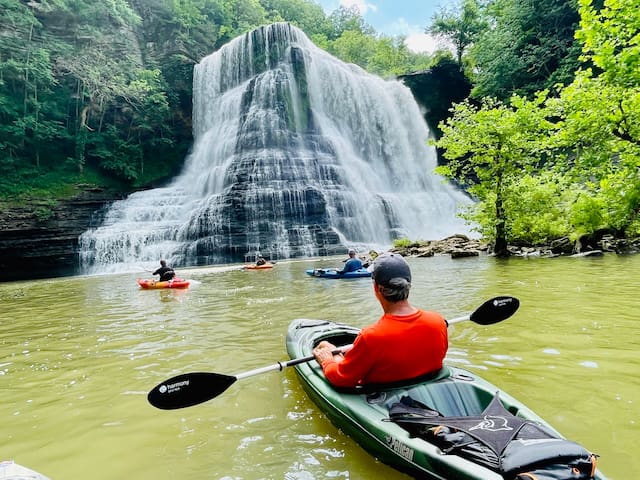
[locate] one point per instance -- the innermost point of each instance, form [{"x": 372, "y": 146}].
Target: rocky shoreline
[{"x": 461, "y": 246}]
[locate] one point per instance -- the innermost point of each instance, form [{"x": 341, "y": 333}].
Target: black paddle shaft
[{"x": 190, "y": 389}]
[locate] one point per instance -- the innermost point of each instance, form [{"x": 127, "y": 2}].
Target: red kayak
[{"x": 153, "y": 284}]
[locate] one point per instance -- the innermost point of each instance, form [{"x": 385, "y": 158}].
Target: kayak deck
[{"x": 364, "y": 414}]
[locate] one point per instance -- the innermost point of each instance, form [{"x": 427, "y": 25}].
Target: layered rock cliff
[
  {"x": 295, "y": 154},
  {"x": 40, "y": 239}
]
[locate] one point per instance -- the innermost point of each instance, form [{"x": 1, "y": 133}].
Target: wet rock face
[
  {"x": 295, "y": 154},
  {"x": 40, "y": 239}
]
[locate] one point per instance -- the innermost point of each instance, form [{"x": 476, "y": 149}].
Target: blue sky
[{"x": 397, "y": 17}]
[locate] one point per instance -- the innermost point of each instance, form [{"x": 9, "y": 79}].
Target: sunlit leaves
[
  {"x": 611, "y": 39},
  {"x": 567, "y": 164},
  {"x": 490, "y": 149}
]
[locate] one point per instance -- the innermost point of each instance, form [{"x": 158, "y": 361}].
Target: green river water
[{"x": 78, "y": 356}]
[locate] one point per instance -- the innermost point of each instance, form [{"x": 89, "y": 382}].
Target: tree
[
  {"x": 601, "y": 118},
  {"x": 348, "y": 19},
  {"x": 306, "y": 15},
  {"x": 354, "y": 47},
  {"x": 461, "y": 26},
  {"x": 531, "y": 47},
  {"x": 30, "y": 117},
  {"x": 489, "y": 149}
]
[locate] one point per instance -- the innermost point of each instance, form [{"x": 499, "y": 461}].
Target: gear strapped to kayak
[{"x": 517, "y": 448}]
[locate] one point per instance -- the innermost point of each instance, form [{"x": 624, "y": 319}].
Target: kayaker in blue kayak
[
  {"x": 404, "y": 343},
  {"x": 166, "y": 273},
  {"x": 352, "y": 264}
]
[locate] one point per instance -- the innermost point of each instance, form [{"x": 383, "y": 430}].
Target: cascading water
[{"x": 295, "y": 154}]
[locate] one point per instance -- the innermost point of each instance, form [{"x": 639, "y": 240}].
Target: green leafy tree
[
  {"x": 392, "y": 57},
  {"x": 601, "y": 119},
  {"x": 530, "y": 47},
  {"x": 461, "y": 25},
  {"x": 307, "y": 16},
  {"x": 354, "y": 47},
  {"x": 539, "y": 206},
  {"x": 348, "y": 20},
  {"x": 490, "y": 148}
]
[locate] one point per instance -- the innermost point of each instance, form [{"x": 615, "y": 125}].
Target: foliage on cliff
[{"x": 101, "y": 92}]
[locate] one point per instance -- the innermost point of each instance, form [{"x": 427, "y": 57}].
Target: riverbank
[
  {"x": 39, "y": 239},
  {"x": 460, "y": 246}
]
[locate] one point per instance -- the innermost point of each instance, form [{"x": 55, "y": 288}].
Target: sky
[{"x": 397, "y": 17}]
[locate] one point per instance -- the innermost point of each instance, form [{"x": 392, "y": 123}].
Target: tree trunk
[{"x": 500, "y": 247}]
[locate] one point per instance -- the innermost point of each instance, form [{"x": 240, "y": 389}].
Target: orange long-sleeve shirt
[{"x": 392, "y": 349}]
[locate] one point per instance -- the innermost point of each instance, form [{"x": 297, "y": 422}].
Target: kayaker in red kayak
[
  {"x": 404, "y": 343},
  {"x": 166, "y": 273}
]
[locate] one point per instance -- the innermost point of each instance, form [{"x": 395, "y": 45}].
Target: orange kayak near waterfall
[
  {"x": 258, "y": 267},
  {"x": 153, "y": 284}
]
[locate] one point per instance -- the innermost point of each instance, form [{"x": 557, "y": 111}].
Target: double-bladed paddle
[{"x": 190, "y": 389}]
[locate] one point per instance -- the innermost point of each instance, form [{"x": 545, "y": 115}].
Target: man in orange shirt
[{"x": 404, "y": 343}]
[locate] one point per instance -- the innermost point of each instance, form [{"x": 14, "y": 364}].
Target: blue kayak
[{"x": 333, "y": 273}]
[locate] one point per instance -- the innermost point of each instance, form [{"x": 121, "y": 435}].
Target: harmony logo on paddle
[
  {"x": 500, "y": 302},
  {"x": 173, "y": 387},
  {"x": 400, "y": 448}
]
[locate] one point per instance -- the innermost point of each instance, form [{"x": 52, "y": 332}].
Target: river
[{"x": 79, "y": 355}]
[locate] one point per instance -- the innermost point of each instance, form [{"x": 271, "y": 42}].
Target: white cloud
[
  {"x": 421, "y": 42},
  {"x": 361, "y": 5}
]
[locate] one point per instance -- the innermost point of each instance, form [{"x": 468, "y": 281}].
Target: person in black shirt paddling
[{"x": 166, "y": 273}]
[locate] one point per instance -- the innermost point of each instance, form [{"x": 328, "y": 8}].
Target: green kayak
[{"x": 442, "y": 440}]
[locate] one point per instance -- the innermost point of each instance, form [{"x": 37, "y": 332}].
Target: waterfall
[{"x": 295, "y": 153}]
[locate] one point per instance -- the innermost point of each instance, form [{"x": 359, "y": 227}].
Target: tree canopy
[
  {"x": 574, "y": 149},
  {"x": 462, "y": 25}
]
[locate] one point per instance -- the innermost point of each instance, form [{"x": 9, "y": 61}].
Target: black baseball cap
[{"x": 389, "y": 266}]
